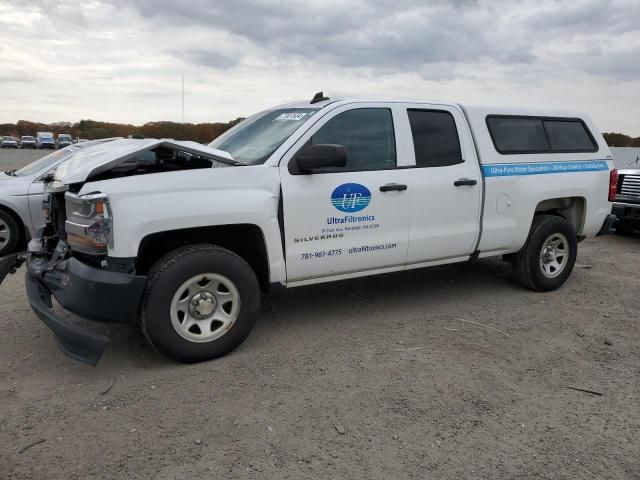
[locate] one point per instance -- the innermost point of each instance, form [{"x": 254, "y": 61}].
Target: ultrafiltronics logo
[{"x": 351, "y": 197}]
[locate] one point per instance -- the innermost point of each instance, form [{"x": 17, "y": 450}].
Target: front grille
[
  {"x": 630, "y": 185},
  {"x": 58, "y": 213},
  {"x": 53, "y": 228}
]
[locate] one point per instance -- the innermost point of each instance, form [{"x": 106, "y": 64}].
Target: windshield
[
  {"x": 253, "y": 140},
  {"x": 46, "y": 162},
  {"x": 64, "y": 137},
  {"x": 27, "y": 138}
]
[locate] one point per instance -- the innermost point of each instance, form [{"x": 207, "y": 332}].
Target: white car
[
  {"x": 181, "y": 238},
  {"x": 27, "y": 141},
  {"x": 21, "y": 199},
  {"x": 8, "y": 142}
]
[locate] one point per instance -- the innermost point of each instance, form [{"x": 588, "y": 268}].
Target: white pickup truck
[{"x": 183, "y": 238}]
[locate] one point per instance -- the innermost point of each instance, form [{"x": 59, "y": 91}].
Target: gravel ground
[{"x": 448, "y": 372}]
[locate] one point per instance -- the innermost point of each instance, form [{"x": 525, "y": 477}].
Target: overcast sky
[{"x": 122, "y": 60}]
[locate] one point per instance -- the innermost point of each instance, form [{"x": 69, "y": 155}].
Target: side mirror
[{"x": 315, "y": 157}]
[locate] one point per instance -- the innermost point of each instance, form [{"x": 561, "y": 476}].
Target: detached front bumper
[
  {"x": 76, "y": 342},
  {"x": 89, "y": 292}
]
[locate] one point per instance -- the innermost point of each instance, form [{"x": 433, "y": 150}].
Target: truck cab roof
[{"x": 475, "y": 109}]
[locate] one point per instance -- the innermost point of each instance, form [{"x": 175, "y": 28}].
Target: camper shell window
[{"x": 513, "y": 134}]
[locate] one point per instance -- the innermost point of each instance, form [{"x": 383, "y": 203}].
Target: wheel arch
[
  {"x": 246, "y": 240},
  {"x": 572, "y": 209}
]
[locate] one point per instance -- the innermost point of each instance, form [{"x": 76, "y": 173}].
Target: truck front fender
[{"x": 149, "y": 204}]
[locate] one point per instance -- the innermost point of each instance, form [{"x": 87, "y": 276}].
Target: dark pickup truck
[{"x": 627, "y": 200}]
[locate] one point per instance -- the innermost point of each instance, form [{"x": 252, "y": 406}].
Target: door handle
[
  {"x": 393, "y": 186},
  {"x": 465, "y": 181}
]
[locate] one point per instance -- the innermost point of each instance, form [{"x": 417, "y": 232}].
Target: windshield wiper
[
  {"x": 235, "y": 163},
  {"x": 228, "y": 161},
  {"x": 11, "y": 172}
]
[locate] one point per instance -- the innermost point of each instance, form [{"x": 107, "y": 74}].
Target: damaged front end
[
  {"x": 68, "y": 257},
  {"x": 11, "y": 263},
  {"x": 66, "y": 266}
]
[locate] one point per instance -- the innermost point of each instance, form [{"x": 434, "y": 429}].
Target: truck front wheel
[
  {"x": 547, "y": 258},
  {"x": 201, "y": 302}
]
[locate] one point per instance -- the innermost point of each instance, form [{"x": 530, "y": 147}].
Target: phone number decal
[{"x": 321, "y": 254}]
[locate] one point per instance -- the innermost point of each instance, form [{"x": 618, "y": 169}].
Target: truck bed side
[{"x": 517, "y": 186}]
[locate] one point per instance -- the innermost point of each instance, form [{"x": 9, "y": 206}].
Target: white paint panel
[{"x": 146, "y": 204}]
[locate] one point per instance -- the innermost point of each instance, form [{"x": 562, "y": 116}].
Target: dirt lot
[{"x": 370, "y": 378}]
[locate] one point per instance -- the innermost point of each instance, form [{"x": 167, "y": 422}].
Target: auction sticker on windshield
[{"x": 291, "y": 116}]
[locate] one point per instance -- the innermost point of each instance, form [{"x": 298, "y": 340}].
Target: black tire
[
  {"x": 164, "y": 280},
  {"x": 9, "y": 233},
  {"x": 527, "y": 267}
]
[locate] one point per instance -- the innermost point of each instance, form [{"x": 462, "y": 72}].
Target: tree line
[
  {"x": 198, "y": 132},
  {"x": 92, "y": 130},
  {"x": 621, "y": 140}
]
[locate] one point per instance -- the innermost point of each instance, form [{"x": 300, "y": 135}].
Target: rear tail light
[{"x": 613, "y": 184}]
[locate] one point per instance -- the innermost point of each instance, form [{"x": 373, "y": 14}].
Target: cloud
[
  {"x": 210, "y": 58},
  {"x": 378, "y": 34},
  {"x": 124, "y": 59},
  {"x": 586, "y": 16},
  {"x": 10, "y": 75}
]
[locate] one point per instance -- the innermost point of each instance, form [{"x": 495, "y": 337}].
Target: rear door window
[{"x": 435, "y": 138}]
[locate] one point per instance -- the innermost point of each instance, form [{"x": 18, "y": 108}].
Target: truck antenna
[{"x": 318, "y": 97}]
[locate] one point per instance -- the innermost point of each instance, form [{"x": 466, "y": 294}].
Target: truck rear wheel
[
  {"x": 201, "y": 302},
  {"x": 547, "y": 258}
]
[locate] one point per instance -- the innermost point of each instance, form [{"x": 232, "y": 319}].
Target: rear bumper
[
  {"x": 627, "y": 213},
  {"x": 90, "y": 293}
]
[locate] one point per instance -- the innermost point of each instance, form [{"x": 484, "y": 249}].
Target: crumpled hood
[{"x": 100, "y": 157}]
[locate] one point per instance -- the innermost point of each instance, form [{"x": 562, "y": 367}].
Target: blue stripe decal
[{"x": 516, "y": 169}]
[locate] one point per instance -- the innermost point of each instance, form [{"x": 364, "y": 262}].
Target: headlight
[{"x": 89, "y": 225}]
